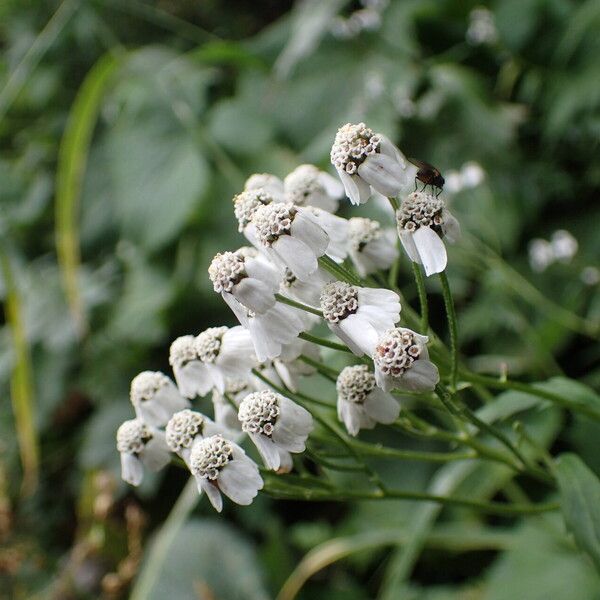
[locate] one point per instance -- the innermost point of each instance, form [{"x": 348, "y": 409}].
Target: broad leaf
[{"x": 580, "y": 499}]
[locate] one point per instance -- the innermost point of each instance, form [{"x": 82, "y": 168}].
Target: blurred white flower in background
[
  {"x": 590, "y": 275},
  {"x": 541, "y": 254},
  {"x": 482, "y": 27},
  {"x": 469, "y": 176},
  {"x": 366, "y": 18},
  {"x": 562, "y": 247}
]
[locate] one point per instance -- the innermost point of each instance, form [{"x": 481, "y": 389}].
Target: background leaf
[{"x": 580, "y": 500}]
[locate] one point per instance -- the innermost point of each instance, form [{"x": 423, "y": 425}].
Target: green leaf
[
  {"x": 580, "y": 500},
  {"x": 209, "y": 558},
  {"x": 541, "y": 566},
  {"x": 158, "y": 175}
]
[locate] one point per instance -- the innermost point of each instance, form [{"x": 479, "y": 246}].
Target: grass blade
[
  {"x": 72, "y": 159},
  {"x": 21, "y": 384}
]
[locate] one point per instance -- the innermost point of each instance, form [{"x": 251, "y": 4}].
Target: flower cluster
[{"x": 305, "y": 265}]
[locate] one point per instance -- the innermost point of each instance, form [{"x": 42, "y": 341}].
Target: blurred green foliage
[{"x": 125, "y": 129}]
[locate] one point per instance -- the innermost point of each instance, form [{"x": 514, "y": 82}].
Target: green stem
[
  {"x": 437, "y": 457},
  {"x": 323, "y": 342},
  {"x": 424, "y": 309},
  {"x": 425, "y": 430},
  {"x": 338, "y": 271},
  {"x": 324, "y": 370},
  {"x": 452, "y": 325},
  {"x": 467, "y": 413},
  {"x": 496, "y": 508},
  {"x": 503, "y": 384},
  {"x": 298, "y": 305}
]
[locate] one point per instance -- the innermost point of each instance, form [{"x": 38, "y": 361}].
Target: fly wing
[{"x": 421, "y": 164}]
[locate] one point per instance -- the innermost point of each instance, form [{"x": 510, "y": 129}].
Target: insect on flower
[{"x": 428, "y": 175}]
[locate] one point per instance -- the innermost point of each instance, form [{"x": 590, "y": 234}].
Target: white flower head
[
  {"x": 422, "y": 221},
  {"x": 370, "y": 247},
  {"x": 267, "y": 182},
  {"x": 357, "y": 315},
  {"x": 564, "y": 245},
  {"x": 251, "y": 280},
  {"x": 221, "y": 466},
  {"x": 360, "y": 403},
  {"x": 185, "y": 428},
  {"x": 482, "y": 27},
  {"x": 155, "y": 398},
  {"x": 140, "y": 446},
  {"x": 401, "y": 361},
  {"x": 291, "y": 236},
  {"x": 209, "y": 359},
  {"x": 274, "y": 423},
  {"x": 307, "y": 185},
  {"x": 541, "y": 254},
  {"x": 367, "y": 161},
  {"x": 245, "y": 206}
]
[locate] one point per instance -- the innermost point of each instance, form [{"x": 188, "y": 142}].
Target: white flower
[
  {"x": 371, "y": 248},
  {"x": 291, "y": 236},
  {"x": 221, "y": 466},
  {"x": 357, "y": 315},
  {"x": 286, "y": 370},
  {"x": 208, "y": 360},
  {"x": 140, "y": 446},
  {"x": 185, "y": 428},
  {"x": 541, "y": 254},
  {"x": 472, "y": 174},
  {"x": 251, "y": 280},
  {"x": 270, "y": 331},
  {"x": 274, "y": 423},
  {"x": 564, "y": 245},
  {"x": 422, "y": 221},
  {"x": 336, "y": 229},
  {"x": 225, "y": 413},
  {"x": 309, "y": 186},
  {"x": 307, "y": 292},
  {"x": 367, "y": 161},
  {"x": 360, "y": 403},
  {"x": 245, "y": 206},
  {"x": 401, "y": 360},
  {"x": 482, "y": 27},
  {"x": 155, "y": 398},
  {"x": 267, "y": 182}
]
